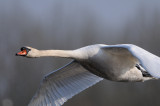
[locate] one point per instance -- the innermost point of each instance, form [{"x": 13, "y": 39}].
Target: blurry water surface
[{"x": 70, "y": 24}]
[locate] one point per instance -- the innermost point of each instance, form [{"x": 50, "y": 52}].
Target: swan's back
[{"x": 87, "y": 52}]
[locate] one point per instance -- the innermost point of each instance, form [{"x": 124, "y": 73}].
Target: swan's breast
[
  {"x": 100, "y": 70},
  {"x": 117, "y": 68},
  {"x": 109, "y": 72}
]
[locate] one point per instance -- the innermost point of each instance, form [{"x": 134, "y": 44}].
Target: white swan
[{"x": 124, "y": 62}]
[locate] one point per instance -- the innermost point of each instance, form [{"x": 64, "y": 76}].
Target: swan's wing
[
  {"x": 60, "y": 85},
  {"x": 149, "y": 61}
]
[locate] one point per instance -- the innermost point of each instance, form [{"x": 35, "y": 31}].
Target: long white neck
[
  {"x": 74, "y": 54},
  {"x": 57, "y": 53}
]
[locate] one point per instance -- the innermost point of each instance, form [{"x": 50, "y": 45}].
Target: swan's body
[{"x": 125, "y": 62}]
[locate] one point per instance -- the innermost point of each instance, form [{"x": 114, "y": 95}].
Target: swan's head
[{"x": 28, "y": 52}]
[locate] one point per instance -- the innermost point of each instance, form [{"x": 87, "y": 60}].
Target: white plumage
[
  {"x": 57, "y": 87},
  {"x": 91, "y": 64}
]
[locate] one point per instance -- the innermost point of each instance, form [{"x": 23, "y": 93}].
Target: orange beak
[{"x": 22, "y": 53}]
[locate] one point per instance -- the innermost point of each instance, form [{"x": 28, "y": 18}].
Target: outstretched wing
[
  {"x": 60, "y": 85},
  {"x": 149, "y": 61}
]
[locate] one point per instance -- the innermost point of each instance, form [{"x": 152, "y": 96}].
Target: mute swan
[{"x": 91, "y": 64}]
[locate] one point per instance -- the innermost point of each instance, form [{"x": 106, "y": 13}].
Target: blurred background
[{"x": 70, "y": 24}]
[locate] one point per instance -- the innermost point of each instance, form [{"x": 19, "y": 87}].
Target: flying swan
[{"x": 91, "y": 64}]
